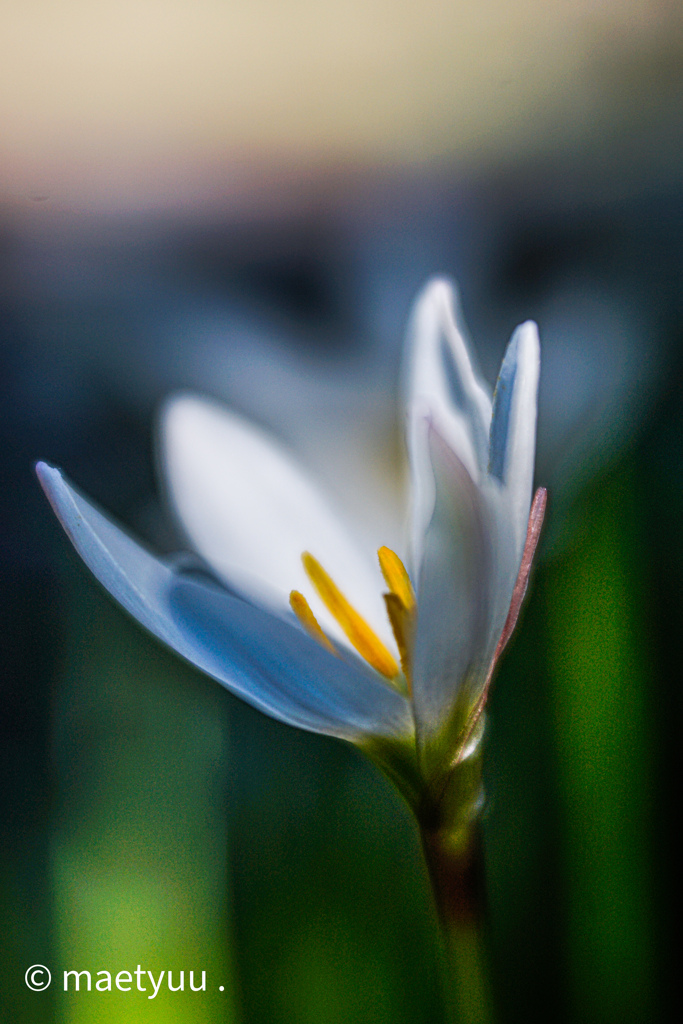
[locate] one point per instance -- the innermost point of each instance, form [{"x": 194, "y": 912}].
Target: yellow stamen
[
  {"x": 366, "y": 642},
  {"x": 396, "y": 577},
  {"x": 401, "y": 620},
  {"x": 302, "y": 610}
]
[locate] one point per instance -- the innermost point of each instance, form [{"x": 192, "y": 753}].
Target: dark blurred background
[{"x": 244, "y": 200}]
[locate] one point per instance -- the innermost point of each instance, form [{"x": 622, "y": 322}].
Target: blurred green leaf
[
  {"x": 139, "y": 851},
  {"x": 599, "y": 666}
]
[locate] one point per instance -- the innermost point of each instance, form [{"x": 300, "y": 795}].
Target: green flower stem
[
  {"x": 455, "y": 865},
  {"x": 452, "y": 845},
  {"x": 456, "y": 873}
]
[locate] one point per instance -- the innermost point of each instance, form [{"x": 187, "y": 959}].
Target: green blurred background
[{"x": 245, "y": 199}]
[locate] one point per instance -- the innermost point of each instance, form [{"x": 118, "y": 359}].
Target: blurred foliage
[
  {"x": 602, "y": 691},
  {"x": 139, "y": 849}
]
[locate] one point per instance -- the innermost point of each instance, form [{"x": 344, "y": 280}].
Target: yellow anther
[
  {"x": 366, "y": 642},
  {"x": 396, "y": 577},
  {"x": 401, "y": 620},
  {"x": 302, "y": 610}
]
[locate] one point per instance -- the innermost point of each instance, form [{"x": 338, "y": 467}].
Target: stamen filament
[
  {"x": 302, "y": 610},
  {"x": 359, "y": 633}
]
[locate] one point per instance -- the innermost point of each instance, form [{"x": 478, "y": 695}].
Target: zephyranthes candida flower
[{"x": 393, "y": 654}]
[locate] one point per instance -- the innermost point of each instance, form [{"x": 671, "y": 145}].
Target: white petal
[
  {"x": 442, "y": 377},
  {"x": 513, "y": 426},
  {"x": 442, "y": 384},
  {"x": 251, "y": 511},
  {"x": 269, "y": 663},
  {"x": 454, "y": 595}
]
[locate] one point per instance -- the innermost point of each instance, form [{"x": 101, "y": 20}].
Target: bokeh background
[{"x": 244, "y": 198}]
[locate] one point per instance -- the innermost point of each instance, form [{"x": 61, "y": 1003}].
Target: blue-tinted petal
[
  {"x": 513, "y": 425},
  {"x": 266, "y": 661},
  {"x": 278, "y": 668}
]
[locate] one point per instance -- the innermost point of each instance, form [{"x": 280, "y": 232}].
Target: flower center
[{"x": 400, "y": 604}]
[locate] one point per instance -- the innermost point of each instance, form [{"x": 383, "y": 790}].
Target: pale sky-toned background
[{"x": 124, "y": 101}]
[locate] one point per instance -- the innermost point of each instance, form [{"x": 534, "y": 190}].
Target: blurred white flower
[{"x": 302, "y": 625}]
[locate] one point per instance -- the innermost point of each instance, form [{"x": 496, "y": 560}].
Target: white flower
[{"x": 303, "y": 626}]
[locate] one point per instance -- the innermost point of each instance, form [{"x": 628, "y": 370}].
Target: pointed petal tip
[
  {"x": 521, "y": 362},
  {"x": 439, "y": 295},
  {"x": 66, "y": 500},
  {"x": 529, "y": 325},
  {"x": 439, "y": 286},
  {"x": 539, "y": 504},
  {"x": 528, "y": 342},
  {"x": 44, "y": 469},
  {"x": 50, "y": 478}
]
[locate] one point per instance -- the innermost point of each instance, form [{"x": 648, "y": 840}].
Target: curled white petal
[
  {"x": 442, "y": 383},
  {"x": 442, "y": 376}
]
